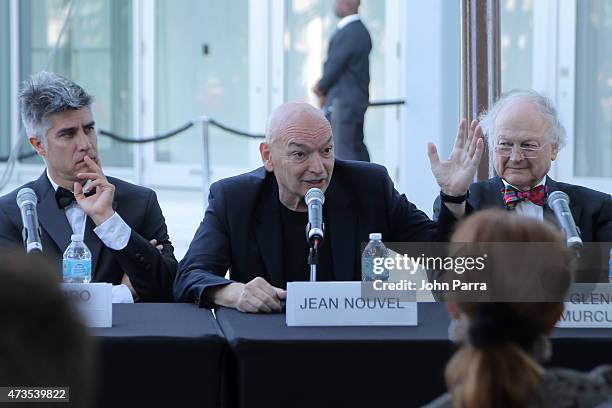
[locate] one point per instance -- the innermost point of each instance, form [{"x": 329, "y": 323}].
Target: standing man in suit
[
  {"x": 345, "y": 81},
  {"x": 122, "y": 223},
  {"x": 524, "y": 136},
  {"x": 255, "y": 222}
]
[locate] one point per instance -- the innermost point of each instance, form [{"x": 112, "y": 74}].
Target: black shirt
[{"x": 295, "y": 249}]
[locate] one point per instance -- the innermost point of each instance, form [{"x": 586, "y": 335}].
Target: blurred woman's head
[{"x": 495, "y": 365}]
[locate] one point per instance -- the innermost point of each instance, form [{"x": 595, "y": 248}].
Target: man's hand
[
  {"x": 99, "y": 207},
  {"x": 257, "y": 296},
  {"x": 160, "y": 247},
  {"x": 455, "y": 175},
  {"x": 317, "y": 91}
]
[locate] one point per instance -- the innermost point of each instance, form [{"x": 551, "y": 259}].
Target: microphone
[
  {"x": 559, "y": 202},
  {"x": 27, "y": 201},
  {"x": 315, "y": 230}
]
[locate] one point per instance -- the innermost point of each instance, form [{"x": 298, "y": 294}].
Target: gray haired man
[
  {"x": 525, "y": 135},
  {"x": 122, "y": 223}
]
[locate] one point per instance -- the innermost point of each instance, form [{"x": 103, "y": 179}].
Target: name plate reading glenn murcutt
[
  {"x": 341, "y": 304},
  {"x": 588, "y": 306}
]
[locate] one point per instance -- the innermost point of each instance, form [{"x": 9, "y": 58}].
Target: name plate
[
  {"x": 588, "y": 306},
  {"x": 94, "y": 301},
  {"x": 341, "y": 304}
]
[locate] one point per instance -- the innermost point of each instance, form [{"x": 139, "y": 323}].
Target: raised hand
[
  {"x": 455, "y": 174},
  {"x": 99, "y": 206}
]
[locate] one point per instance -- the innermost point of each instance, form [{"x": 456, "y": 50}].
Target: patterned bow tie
[
  {"x": 65, "y": 197},
  {"x": 513, "y": 196}
]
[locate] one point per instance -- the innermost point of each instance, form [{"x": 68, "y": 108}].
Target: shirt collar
[
  {"x": 542, "y": 182},
  {"x": 53, "y": 183},
  {"x": 348, "y": 19}
]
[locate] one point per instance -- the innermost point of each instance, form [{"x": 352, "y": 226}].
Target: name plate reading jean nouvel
[
  {"x": 93, "y": 301},
  {"x": 341, "y": 304},
  {"x": 588, "y": 306}
]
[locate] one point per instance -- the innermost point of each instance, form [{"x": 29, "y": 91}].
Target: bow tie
[
  {"x": 65, "y": 197},
  {"x": 513, "y": 196}
]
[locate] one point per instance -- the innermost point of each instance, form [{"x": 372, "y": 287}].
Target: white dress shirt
[
  {"x": 113, "y": 232},
  {"x": 348, "y": 19},
  {"x": 526, "y": 207}
]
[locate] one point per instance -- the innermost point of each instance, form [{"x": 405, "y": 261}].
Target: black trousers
[{"x": 347, "y": 129}]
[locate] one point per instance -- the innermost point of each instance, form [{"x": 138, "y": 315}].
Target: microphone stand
[{"x": 313, "y": 259}]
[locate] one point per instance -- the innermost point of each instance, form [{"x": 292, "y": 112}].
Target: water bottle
[
  {"x": 76, "y": 264},
  {"x": 610, "y": 267},
  {"x": 371, "y": 271}
]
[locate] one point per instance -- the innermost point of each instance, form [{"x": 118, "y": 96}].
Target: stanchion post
[{"x": 205, "y": 162}]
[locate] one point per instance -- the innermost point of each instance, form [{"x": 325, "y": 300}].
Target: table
[
  {"x": 280, "y": 366},
  {"x": 177, "y": 355},
  {"x": 160, "y": 355}
]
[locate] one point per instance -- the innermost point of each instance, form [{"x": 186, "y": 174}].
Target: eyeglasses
[{"x": 526, "y": 152}]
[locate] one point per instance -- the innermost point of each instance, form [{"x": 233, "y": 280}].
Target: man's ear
[
  {"x": 266, "y": 156},
  {"x": 38, "y": 145},
  {"x": 554, "y": 151}
]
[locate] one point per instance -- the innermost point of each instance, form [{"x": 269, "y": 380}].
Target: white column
[{"x": 432, "y": 81}]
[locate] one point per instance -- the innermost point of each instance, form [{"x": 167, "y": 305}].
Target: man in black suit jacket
[
  {"x": 122, "y": 223},
  {"x": 345, "y": 81},
  {"x": 255, "y": 222},
  {"x": 524, "y": 136}
]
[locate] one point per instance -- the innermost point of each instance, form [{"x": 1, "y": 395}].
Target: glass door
[
  {"x": 585, "y": 93},
  {"x": 96, "y": 52},
  {"x": 199, "y": 64}
]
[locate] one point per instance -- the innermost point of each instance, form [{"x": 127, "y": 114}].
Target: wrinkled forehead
[
  {"x": 298, "y": 122},
  {"x": 300, "y": 134},
  {"x": 71, "y": 117},
  {"x": 521, "y": 121}
]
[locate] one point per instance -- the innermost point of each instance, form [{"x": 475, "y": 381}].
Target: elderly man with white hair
[
  {"x": 255, "y": 222},
  {"x": 524, "y": 136}
]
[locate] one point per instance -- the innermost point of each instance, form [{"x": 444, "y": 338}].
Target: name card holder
[
  {"x": 341, "y": 304},
  {"x": 588, "y": 306},
  {"x": 93, "y": 301}
]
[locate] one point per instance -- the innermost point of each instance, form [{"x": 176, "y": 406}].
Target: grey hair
[
  {"x": 44, "y": 95},
  {"x": 543, "y": 104}
]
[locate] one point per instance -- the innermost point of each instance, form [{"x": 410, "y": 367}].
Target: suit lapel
[
  {"x": 575, "y": 206},
  {"x": 268, "y": 231},
  {"x": 51, "y": 218},
  {"x": 341, "y": 229},
  {"x": 494, "y": 196}
]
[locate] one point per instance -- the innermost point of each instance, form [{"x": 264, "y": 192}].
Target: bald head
[
  {"x": 296, "y": 117},
  {"x": 345, "y": 8}
]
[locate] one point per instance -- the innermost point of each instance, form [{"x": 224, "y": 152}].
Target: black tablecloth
[
  {"x": 160, "y": 355},
  {"x": 280, "y": 366}
]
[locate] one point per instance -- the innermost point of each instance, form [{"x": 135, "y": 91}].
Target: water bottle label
[{"x": 77, "y": 270}]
